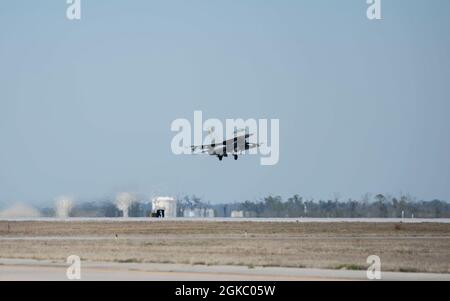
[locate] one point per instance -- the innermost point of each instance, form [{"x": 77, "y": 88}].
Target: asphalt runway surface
[{"x": 33, "y": 270}]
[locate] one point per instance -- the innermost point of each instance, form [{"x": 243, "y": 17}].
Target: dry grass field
[{"x": 418, "y": 247}]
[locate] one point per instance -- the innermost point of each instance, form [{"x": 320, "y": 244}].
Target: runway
[
  {"x": 192, "y": 247},
  {"x": 229, "y": 219},
  {"x": 144, "y": 238},
  {"x": 46, "y": 270}
]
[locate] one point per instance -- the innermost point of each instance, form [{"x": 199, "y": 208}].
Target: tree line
[
  {"x": 368, "y": 206},
  {"x": 376, "y": 206}
]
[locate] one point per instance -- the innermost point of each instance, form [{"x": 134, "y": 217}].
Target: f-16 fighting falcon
[{"x": 234, "y": 146}]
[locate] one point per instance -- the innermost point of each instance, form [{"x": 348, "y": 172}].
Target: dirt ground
[{"x": 418, "y": 247}]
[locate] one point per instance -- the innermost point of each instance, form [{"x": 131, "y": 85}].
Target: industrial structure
[{"x": 164, "y": 207}]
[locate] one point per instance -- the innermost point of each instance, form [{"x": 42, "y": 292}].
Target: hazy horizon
[{"x": 86, "y": 106}]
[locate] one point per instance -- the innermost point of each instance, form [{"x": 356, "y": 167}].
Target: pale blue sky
[{"x": 86, "y": 106}]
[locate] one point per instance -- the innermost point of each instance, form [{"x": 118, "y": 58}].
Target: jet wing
[
  {"x": 229, "y": 143},
  {"x": 237, "y": 138}
]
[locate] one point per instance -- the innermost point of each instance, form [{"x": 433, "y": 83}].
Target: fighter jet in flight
[{"x": 234, "y": 146}]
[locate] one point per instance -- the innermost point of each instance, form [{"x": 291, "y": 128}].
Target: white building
[
  {"x": 191, "y": 213},
  {"x": 237, "y": 213},
  {"x": 198, "y": 212},
  {"x": 168, "y": 204},
  {"x": 209, "y": 213}
]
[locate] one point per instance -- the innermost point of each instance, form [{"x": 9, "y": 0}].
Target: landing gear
[{"x": 222, "y": 156}]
